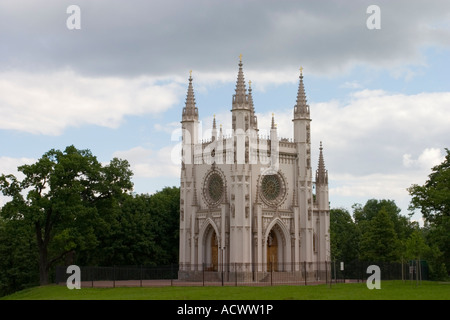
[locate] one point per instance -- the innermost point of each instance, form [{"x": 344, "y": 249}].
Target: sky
[{"x": 112, "y": 76}]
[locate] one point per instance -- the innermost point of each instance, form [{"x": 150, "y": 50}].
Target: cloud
[
  {"x": 374, "y": 129},
  {"x": 147, "y": 163},
  {"x": 49, "y": 103},
  {"x": 169, "y": 37},
  {"x": 9, "y": 165},
  {"x": 351, "y": 85},
  {"x": 167, "y": 128},
  {"x": 372, "y": 185},
  {"x": 429, "y": 158}
]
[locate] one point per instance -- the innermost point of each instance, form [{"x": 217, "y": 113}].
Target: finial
[
  {"x": 240, "y": 57},
  {"x": 190, "y": 73},
  {"x": 321, "y": 145},
  {"x": 250, "y": 84},
  {"x": 301, "y": 70}
]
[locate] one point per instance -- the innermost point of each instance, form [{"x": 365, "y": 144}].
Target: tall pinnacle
[
  {"x": 240, "y": 97},
  {"x": 253, "y": 118},
  {"x": 321, "y": 173},
  {"x": 214, "y": 129},
  {"x": 301, "y": 109},
  {"x": 190, "y": 111}
]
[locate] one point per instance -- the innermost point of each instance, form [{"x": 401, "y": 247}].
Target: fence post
[
  {"x": 271, "y": 273},
  {"x": 222, "y": 272},
  {"x": 114, "y": 276},
  {"x": 203, "y": 272},
  {"x": 304, "y": 268},
  {"x": 140, "y": 275},
  {"x": 235, "y": 275}
]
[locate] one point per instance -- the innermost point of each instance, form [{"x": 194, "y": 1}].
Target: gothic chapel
[{"x": 248, "y": 204}]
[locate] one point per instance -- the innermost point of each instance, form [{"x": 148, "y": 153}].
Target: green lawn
[{"x": 390, "y": 290}]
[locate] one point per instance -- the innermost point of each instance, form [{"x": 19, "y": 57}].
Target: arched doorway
[
  {"x": 272, "y": 251},
  {"x": 211, "y": 250}
]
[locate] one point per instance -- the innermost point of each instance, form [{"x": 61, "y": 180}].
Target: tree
[
  {"x": 433, "y": 201},
  {"x": 165, "y": 210},
  {"x": 433, "y": 198},
  {"x": 402, "y": 225},
  {"x": 18, "y": 257},
  {"x": 344, "y": 236},
  {"x": 141, "y": 230},
  {"x": 379, "y": 240},
  {"x": 59, "y": 198},
  {"x": 415, "y": 246}
]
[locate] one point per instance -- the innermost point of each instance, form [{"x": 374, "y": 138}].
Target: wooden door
[
  {"x": 214, "y": 252},
  {"x": 272, "y": 252}
]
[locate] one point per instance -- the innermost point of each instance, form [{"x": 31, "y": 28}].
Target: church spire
[
  {"x": 301, "y": 109},
  {"x": 240, "y": 97},
  {"x": 250, "y": 97},
  {"x": 190, "y": 111},
  {"x": 214, "y": 129},
  {"x": 321, "y": 173},
  {"x": 253, "y": 118}
]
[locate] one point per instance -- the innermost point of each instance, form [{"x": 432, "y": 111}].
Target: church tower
[
  {"x": 188, "y": 195},
  {"x": 304, "y": 198},
  {"x": 323, "y": 210},
  {"x": 240, "y": 243}
]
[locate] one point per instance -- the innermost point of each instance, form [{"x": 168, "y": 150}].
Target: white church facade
[{"x": 251, "y": 204}]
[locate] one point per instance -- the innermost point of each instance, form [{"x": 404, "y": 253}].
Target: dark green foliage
[
  {"x": 59, "y": 199},
  {"x": 379, "y": 241},
  {"x": 18, "y": 256},
  {"x": 141, "y": 230},
  {"x": 70, "y": 209},
  {"x": 344, "y": 236},
  {"x": 433, "y": 201}
]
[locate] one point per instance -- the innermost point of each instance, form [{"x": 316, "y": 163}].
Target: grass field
[{"x": 390, "y": 290}]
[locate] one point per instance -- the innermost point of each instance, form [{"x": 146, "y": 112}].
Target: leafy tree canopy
[
  {"x": 58, "y": 198},
  {"x": 433, "y": 198}
]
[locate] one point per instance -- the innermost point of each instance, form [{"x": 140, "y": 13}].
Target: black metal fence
[
  {"x": 358, "y": 270},
  {"x": 303, "y": 273}
]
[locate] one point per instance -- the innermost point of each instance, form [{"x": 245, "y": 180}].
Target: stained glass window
[
  {"x": 215, "y": 187},
  {"x": 271, "y": 187}
]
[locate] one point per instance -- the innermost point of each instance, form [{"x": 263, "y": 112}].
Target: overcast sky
[{"x": 379, "y": 98}]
